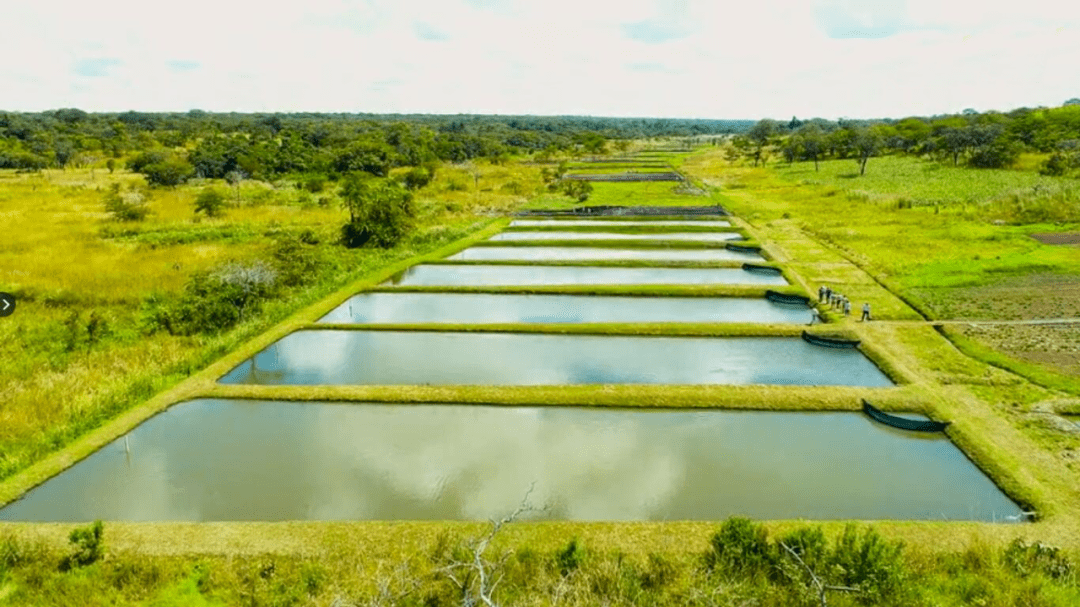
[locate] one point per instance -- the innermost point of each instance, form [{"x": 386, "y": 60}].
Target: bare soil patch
[
  {"x": 1030, "y": 297},
  {"x": 1056, "y": 347},
  {"x": 1066, "y": 238}
]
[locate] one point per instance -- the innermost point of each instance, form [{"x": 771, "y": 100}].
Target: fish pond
[
  {"x": 531, "y": 253},
  {"x": 537, "y": 223},
  {"x": 362, "y": 357},
  {"x": 221, "y": 460},
  {"x": 500, "y": 308},
  {"x": 518, "y": 235},
  {"x": 446, "y": 275}
]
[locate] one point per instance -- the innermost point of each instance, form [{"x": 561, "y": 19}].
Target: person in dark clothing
[{"x": 866, "y": 311}]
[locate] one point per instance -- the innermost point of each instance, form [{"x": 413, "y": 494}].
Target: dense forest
[{"x": 170, "y": 148}]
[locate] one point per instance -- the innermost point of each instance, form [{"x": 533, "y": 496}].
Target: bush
[
  {"x": 212, "y": 302},
  {"x": 417, "y": 177},
  {"x": 126, "y": 206},
  {"x": 210, "y": 201},
  {"x": 740, "y": 547},
  {"x": 869, "y": 562},
  {"x": 315, "y": 183},
  {"x": 570, "y": 558},
  {"x": 579, "y": 190},
  {"x": 88, "y": 546},
  {"x": 1025, "y": 559},
  {"x": 296, "y": 258}
]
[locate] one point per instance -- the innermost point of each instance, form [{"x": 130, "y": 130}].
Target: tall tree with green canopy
[{"x": 380, "y": 211}]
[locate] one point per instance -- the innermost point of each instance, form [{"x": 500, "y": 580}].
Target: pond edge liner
[
  {"x": 830, "y": 341},
  {"x": 765, "y": 269},
  {"x": 744, "y": 248},
  {"x": 912, "y": 425},
  {"x": 787, "y": 298}
]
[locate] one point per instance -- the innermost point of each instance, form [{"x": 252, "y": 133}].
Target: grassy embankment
[{"x": 77, "y": 352}]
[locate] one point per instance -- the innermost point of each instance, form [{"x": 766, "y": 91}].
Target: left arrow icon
[{"x": 7, "y": 304}]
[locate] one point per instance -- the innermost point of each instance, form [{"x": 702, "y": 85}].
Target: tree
[
  {"x": 380, "y": 211},
  {"x": 811, "y": 140},
  {"x": 1073, "y": 101},
  {"x": 169, "y": 173},
  {"x": 211, "y": 202},
  {"x": 867, "y": 143},
  {"x": 761, "y": 136}
]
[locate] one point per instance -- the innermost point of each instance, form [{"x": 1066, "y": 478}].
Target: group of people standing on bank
[{"x": 839, "y": 302}]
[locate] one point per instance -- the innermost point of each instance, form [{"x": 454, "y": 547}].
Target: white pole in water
[{"x": 127, "y": 446}]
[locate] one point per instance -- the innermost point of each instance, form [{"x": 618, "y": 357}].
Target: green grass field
[{"x": 865, "y": 244}]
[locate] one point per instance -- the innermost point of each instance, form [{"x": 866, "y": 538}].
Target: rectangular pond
[
  {"x": 489, "y": 253},
  {"x": 220, "y": 460},
  {"x": 444, "y": 275},
  {"x": 516, "y": 235},
  {"x": 316, "y": 357},
  {"x": 535, "y": 223},
  {"x": 498, "y": 308}
]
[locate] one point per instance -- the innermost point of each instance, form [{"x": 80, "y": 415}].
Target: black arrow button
[{"x": 7, "y": 304}]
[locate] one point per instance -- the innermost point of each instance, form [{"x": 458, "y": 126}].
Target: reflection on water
[
  {"x": 481, "y": 275},
  {"x": 454, "y": 358},
  {"x": 481, "y": 308},
  {"x": 683, "y": 236},
  {"x": 487, "y": 253},
  {"x": 535, "y": 223},
  {"x": 218, "y": 460}
]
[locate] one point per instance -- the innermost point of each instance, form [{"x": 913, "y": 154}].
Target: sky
[{"x": 649, "y": 58}]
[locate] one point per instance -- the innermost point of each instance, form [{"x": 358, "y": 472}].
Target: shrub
[
  {"x": 126, "y": 206},
  {"x": 579, "y": 190},
  {"x": 417, "y": 177},
  {"x": 869, "y": 562},
  {"x": 1025, "y": 559},
  {"x": 315, "y": 183},
  {"x": 570, "y": 558},
  {"x": 88, "y": 546},
  {"x": 297, "y": 259},
  {"x": 740, "y": 547},
  {"x": 211, "y": 202},
  {"x": 212, "y": 302}
]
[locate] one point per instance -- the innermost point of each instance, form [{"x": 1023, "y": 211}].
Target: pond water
[
  {"x": 458, "y": 358},
  {"x": 679, "y": 236},
  {"x": 535, "y": 223},
  {"x": 219, "y": 460},
  {"x": 529, "y": 275},
  {"x": 482, "y": 307},
  {"x": 489, "y": 253}
]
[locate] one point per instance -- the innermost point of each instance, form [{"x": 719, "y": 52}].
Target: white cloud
[{"x": 641, "y": 57}]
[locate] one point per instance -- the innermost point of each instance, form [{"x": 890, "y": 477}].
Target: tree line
[
  {"x": 177, "y": 146},
  {"x": 973, "y": 139}
]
